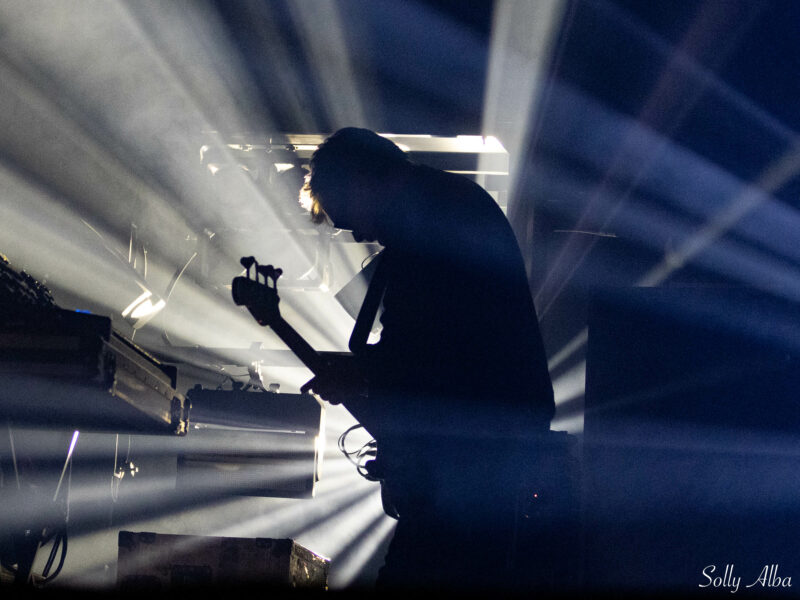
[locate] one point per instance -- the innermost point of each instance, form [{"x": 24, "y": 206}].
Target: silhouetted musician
[{"x": 459, "y": 374}]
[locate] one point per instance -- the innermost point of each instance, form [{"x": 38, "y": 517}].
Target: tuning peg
[
  {"x": 247, "y": 262},
  {"x": 265, "y": 270},
  {"x": 268, "y": 271}
]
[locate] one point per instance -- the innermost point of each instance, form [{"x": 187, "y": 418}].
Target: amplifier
[
  {"x": 689, "y": 444},
  {"x": 67, "y": 369},
  {"x": 253, "y": 443},
  {"x": 155, "y": 561}
]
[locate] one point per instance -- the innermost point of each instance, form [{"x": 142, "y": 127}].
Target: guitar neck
[
  {"x": 316, "y": 362},
  {"x": 301, "y": 348}
]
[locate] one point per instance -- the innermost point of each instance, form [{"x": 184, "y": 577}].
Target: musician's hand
[{"x": 341, "y": 381}]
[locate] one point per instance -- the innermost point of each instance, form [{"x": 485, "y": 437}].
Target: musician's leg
[{"x": 456, "y": 526}]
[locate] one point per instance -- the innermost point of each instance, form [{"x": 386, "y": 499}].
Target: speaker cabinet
[
  {"x": 690, "y": 450},
  {"x": 160, "y": 562}
]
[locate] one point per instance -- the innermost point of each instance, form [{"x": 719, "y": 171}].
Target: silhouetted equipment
[
  {"x": 690, "y": 438},
  {"x": 254, "y": 443},
  {"x": 71, "y": 370},
  {"x": 477, "y": 157},
  {"x": 547, "y": 548},
  {"x": 160, "y": 562}
]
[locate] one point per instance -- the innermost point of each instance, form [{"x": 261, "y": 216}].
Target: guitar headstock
[{"x": 256, "y": 293}]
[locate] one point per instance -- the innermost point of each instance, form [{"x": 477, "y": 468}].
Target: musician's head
[{"x": 353, "y": 173}]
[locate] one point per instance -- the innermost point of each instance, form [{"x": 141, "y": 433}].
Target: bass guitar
[{"x": 259, "y": 294}]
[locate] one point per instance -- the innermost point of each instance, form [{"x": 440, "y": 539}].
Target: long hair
[{"x": 348, "y": 155}]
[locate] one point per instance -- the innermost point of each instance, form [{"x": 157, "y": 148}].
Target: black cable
[
  {"x": 63, "y": 540},
  {"x": 343, "y": 437},
  {"x": 52, "y": 557},
  {"x": 368, "y": 450},
  {"x": 60, "y": 539}
]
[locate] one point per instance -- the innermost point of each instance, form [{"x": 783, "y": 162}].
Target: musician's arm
[{"x": 342, "y": 380}]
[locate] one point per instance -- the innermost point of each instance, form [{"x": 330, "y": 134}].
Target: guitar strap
[
  {"x": 369, "y": 308},
  {"x": 358, "y": 343}
]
